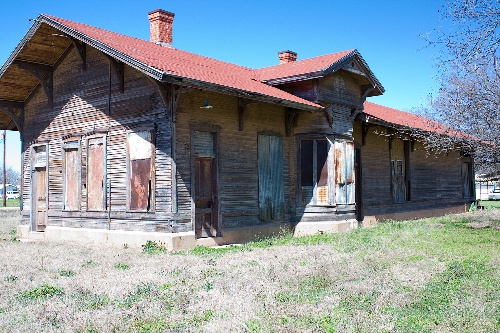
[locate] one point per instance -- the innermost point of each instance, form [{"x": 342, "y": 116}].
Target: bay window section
[{"x": 314, "y": 172}]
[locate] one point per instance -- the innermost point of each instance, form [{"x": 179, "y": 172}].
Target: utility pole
[{"x": 4, "y": 137}]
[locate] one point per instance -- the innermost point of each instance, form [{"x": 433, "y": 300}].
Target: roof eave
[
  {"x": 348, "y": 57},
  {"x": 32, "y": 30},
  {"x": 191, "y": 83},
  {"x": 379, "y": 89},
  {"x": 295, "y": 78},
  {"x": 165, "y": 76},
  {"x": 134, "y": 63}
]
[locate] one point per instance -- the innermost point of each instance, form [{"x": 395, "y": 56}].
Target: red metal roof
[
  {"x": 297, "y": 68},
  {"x": 182, "y": 64}
]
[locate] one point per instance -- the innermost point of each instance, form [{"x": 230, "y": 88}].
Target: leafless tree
[
  {"x": 12, "y": 176},
  {"x": 468, "y": 101}
]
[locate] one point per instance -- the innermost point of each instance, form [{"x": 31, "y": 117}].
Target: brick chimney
[
  {"x": 287, "y": 56},
  {"x": 160, "y": 22}
]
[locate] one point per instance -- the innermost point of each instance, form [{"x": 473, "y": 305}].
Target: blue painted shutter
[{"x": 270, "y": 160}]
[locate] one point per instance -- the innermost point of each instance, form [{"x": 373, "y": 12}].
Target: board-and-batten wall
[
  {"x": 435, "y": 180},
  {"x": 81, "y": 111}
]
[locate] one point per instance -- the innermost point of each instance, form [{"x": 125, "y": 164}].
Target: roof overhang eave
[
  {"x": 191, "y": 83},
  {"x": 134, "y": 63},
  {"x": 363, "y": 117},
  {"x": 154, "y": 73},
  {"x": 295, "y": 78},
  {"x": 32, "y": 30},
  {"x": 348, "y": 57}
]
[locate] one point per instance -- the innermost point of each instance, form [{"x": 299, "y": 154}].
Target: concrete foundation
[
  {"x": 370, "y": 219},
  {"x": 172, "y": 241},
  {"x": 311, "y": 228},
  {"x": 187, "y": 240}
]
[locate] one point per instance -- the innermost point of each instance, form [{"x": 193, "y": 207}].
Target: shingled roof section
[
  {"x": 176, "y": 63},
  {"x": 301, "y": 67},
  {"x": 404, "y": 119},
  {"x": 317, "y": 67}
]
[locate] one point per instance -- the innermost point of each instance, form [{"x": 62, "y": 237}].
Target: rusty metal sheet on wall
[
  {"x": 344, "y": 172},
  {"x": 340, "y": 176},
  {"x": 95, "y": 175},
  {"x": 140, "y": 151},
  {"x": 140, "y": 184},
  {"x": 71, "y": 179},
  {"x": 40, "y": 176}
]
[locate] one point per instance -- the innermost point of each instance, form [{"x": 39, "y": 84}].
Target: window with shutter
[{"x": 141, "y": 167}]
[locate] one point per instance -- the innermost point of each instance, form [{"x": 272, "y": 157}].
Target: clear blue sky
[{"x": 251, "y": 33}]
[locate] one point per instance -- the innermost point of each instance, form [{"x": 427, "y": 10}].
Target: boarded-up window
[
  {"x": 400, "y": 175},
  {"x": 205, "y": 183},
  {"x": 314, "y": 172},
  {"x": 467, "y": 180},
  {"x": 71, "y": 175},
  {"x": 344, "y": 172},
  {"x": 141, "y": 166},
  {"x": 271, "y": 198},
  {"x": 95, "y": 174}
]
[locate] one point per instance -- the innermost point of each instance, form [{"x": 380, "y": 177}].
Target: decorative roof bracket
[
  {"x": 291, "y": 120},
  {"x": 242, "y": 110},
  {"x": 44, "y": 74},
  {"x": 364, "y": 132},
  {"x": 82, "y": 51},
  {"x": 120, "y": 72},
  {"x": 8, "y": 108}
]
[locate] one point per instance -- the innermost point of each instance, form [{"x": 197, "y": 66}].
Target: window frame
[{"x": 330, "y": 200}]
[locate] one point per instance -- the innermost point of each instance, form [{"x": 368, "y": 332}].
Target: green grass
[
  {"x": 430, "y": 275},
  {"x": 10, "y": 202},
  {"x": 121, "y": 266},
  {"x": 42, "y": 291},
  {"x": 490, "y": 203}
]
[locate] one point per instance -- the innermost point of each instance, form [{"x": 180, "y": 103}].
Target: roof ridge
[
  {"x": 263, "y": 69},
  {"x": 59, "y": 19}
]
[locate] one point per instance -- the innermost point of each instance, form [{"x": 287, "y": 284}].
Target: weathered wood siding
[
  {"x": 238, "y": 175},
  {"x": 81, "y": 111},
  {"x": 435, "y": 180},
  {"x": 340, "y": 88}
]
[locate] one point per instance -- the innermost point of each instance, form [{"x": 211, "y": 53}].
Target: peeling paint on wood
[
  {"x": 71, "y": 179},
  {"x": 270, "y": 164},
  {"x": 95, "y": 175}
]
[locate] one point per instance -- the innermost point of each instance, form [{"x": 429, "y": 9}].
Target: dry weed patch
[{"x": 432, "y": 275}]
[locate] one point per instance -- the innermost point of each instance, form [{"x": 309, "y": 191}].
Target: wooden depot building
[{"x": 126, "y": 140}]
